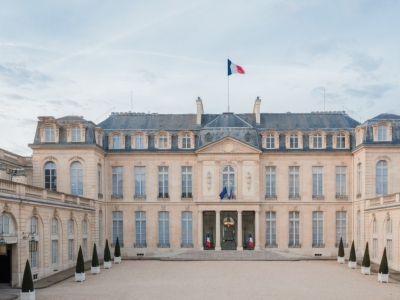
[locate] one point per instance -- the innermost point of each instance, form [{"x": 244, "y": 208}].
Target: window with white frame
[
  {"x": 318, "y": 182},
  {"x": 270, "y": 141},
  {"x": 76, "y": 173},
  {"x": 270, "y": 182},
  {"x": 318, "y": 228},
  {"x": 389, "y": 226},
  {"x": 317, "y": 141},
  {"x": 140, "y": 229},
  {"x": 375, "y": 227},
  {"x": 84, "y": 248},
  {"x": 381, "y": 178},
  {"x": 140, "y": 182},
  {"x": 340, "y": 141},
  {"x": 75, "y": 134},
  {"x": 294, "y": 229},
  {"x": 117, "y": 181},
  {"x": 186, "y": 142},
  {"x": 382, "y": 132},
  {"x": 4, "y": 224},
  {"x": 294, "y": 182},
  {"x": 100, "y": 228},
  {"x": 187, "y": 229},
  {"x": 70, "y": 249},
  {"x": 70, "y": 226},
  {"x": 34, "y": 231},
  {"x": 389, "y": 249},
  {"x": 49, "y": 134},
  {"x": 54, "y": 251},
  {"x": 116, "y": 141},
  {"x": 187, "y": 182},
  {"x": 99, "y": 190},
  {"x": 50, "y": 176},
  {"x": 359, "y": 179},
  {"x": 294, "y": 141},
  {"x": 389, "y": 230},
  {"x": 375, "y": 248},
  {"x": 163, "y": 229},
  {"x": 359, "y": 230},
  {"x": 84, "y": 227},
  {"x": 139, "y": 141},
  {"x": 117, "y": 219},
  {"x": 341, "y": 227},
  {"x": 228, "y": 181},
  {"x": 54, "y": 226},
  {"x": 341, "y": 182},
  {"x": 163, "y": 181},
  {"x": 162, "y": 141},
  {"x": 270, "y": 218}
]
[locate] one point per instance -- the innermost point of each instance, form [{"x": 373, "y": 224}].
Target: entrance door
[{"x": 5, "y": 267}]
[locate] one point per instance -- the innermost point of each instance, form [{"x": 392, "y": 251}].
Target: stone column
[
  {"x": 218, "y": 230},
  {"x": 257, "y": 231},
  {"x": 239, "y": 231},
  {"x": 200, "y": 229}
]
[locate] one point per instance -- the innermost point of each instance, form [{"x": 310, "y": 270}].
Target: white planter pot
[
  {"x": 28, "y": 295},
  {"x": 107, "y": 264},
  {"x": 80, "y": 277},
  {"x": 352, "y": 264},
  {"x": 95, "y": 270},
  {"x": 366, "y": 270},
  {"x": 340, "y": 260},
  {"x": 383, "y": 277},
  {"x": 117, "y": 260}
]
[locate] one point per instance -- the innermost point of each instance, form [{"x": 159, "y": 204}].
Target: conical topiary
[
  {"x": 366, "y": 262},
  {"x": 117, "y": 250},
  {"x": 27, "y": 281},
  {"x": 95, "y": 259},
  {"x": 341, "y": 249},
  {"x": 80, "y": 265},
  {"x": 352, "y": 256},
  {"x": 107, "y": 254},
  {"x": 383, "y": 268}
]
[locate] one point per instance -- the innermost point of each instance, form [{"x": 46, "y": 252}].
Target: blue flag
[{"x": 223, "y": 193}]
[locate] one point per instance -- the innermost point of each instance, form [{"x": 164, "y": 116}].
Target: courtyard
[{"x": 150, "y": 279}]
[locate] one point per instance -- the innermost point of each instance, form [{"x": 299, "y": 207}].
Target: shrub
[
  {"x": 117, "y": 250},
  {"x": 383, "y": 268},
  {"x": 352, "y": 256},
  {"x": 27, "y": 282},
  {"x": 80, "y": 264},
  {"x": 107, "y": 254},
  {"x": 366, "y": 262},
  {"x": 95, "y": 259},
  {"x": 341, "y": 249}
]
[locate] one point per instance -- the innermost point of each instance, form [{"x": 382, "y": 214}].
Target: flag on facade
[
  {"x": 223, "y": 193},
  {"x": 234, "y": 69},
  {"x": 231, "y": 194},
  {"x": 250, "y": 241},
  {"x": 208, "y": 242}
]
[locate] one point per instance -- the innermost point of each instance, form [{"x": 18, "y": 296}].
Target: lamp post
[
  {"x": 33, "y": 243},
  {"x": 3, "y": 246}
]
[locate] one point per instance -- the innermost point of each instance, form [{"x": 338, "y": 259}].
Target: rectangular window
[
  {"x": 163, "y": 182},
  {"x": 294, "y": 229},
  {"x": 187, "y": 182},
  {"x": 270, "y": 229},
  {"x": 318, "y": 229},
  {"x": 139, "y": 141},
  {"x": 99, "y": 179},
  {"x": 118, "y": 228},
  {"x": 340, "y": 141},
  {"x": 54, "y": 250},
  {"x": 382, "y": 133},
  {"x": 49, "y": 134},
  {"x": 33, "y": 256},
  {"x": 318, "y": 191},
  {"x": 140, "y": 229},
  {"x": 75, "y": 134},
  {"x": 116, "y": 141},
  {"x": 341, "y": 182},
  {"x": 162, "y": 141},
  {"x": 187, "y": 225},
  {"x": 84, "y": 248},
  {"x": 54, "y": 226},
  {"x": 375, "y": 248},
  {"x": 270, "y": 141},
  {"x": 294, "y": 182},
  {"x": 140, "y": 182},
  {"x": 163, "y": 229},
  {"x": 389, "y": 226},
  {"x": 34, "y": 225},
  {"x": 70, "y": 250},
  {"x": 270, "y": 182},
  {"x": 186, "y": 141},
  {"x": 294, "y": 141},
  {"x": 341, "y": 227},
  {"x": 389, "y": 250},
  {"x": 100, "y": 228},
  {"x": 359, "y": 179},
  {"x": 70, "y": 227},
  {"x": 116, "y": 182},
  {"x": 317, "y": 141}
]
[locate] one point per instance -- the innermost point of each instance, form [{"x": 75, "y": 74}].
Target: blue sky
[{"x": 84, "y": 58}]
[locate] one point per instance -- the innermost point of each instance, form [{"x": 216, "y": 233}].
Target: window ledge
[
  {"x": 318, "y": 197},
  {"x": 139, "y": 197},
  {"x": 358, "y": 195},
  {"x": 120, "y": 244},
  {"x": 163, "y": 198},
  {"x": 117, "y": 197},
  {"x": 294, "y": 245},
  {"x": 163, "y": 245},
  {"x": 271, "y": 246},
  {"x": 342, "y": 197},
  {"x": 187, "y": 246},
  {"x": 271, "y": 197},
  {"x": 140, "y": 245},
  {"x": 318, "y": 245},
  {"x": 345, "y": 245},
  {"x": 295, "y": 197}
]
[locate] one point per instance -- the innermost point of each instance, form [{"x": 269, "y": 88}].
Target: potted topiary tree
[
  {"x": 366, "y": 264},
  {"x": 340, "y": 258},
  {"x": 80, "y": 267},
  {"x": 352, "y": 264},
  {"x": 117, "y": 253},
  {"x": 27, "y": 290},
  {"x": 383, "y": 273},
  {"x": 95, "y": 269},
  {"x": 107, "y": 257}
]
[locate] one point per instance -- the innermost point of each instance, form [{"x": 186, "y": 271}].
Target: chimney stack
[
  {"x": 256, "y": 109},
  {"x": 200, "y": 110}
]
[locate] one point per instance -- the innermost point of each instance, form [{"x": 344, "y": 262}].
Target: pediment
[{"x": 228, "y": 145}]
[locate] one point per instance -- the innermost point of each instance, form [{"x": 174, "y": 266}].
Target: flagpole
[{"x": 228, "y": 93}]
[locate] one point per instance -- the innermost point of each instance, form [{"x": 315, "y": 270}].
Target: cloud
[
  {"x": 363, "y": 63},
  {"x": 18, "y": 75},
  {"x": 64, "y": 102},
  {"x": 375, "y": 91}
]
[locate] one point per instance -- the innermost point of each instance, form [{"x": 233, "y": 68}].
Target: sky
[{"x": 90, "y": 58}]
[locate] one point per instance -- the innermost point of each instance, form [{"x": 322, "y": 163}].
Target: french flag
[
  {"x": 234, "y": 69},
  {"x": 208, "y": 242},
  {"x": 250, "y": 242}
]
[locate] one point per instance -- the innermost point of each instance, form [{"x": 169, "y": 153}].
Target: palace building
[{"x": 292, "y": 182}]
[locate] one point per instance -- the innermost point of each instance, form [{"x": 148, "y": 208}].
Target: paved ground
[{"x": 149, "y": 279}]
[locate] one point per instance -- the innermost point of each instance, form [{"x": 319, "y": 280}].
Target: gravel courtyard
[{"x": 225, "y": 280}]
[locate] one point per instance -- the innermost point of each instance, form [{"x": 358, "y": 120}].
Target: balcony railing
[
  {"x": 187, "y": 245},
  {"x": 295, "y": 196},
  {"x": 163, "y": 245},
  {"x": 140, "y": 245},
  {"x": 318, "y": 197},
  {"x": 163, "y": 196},
  {"x": 271, "y": 197},
  {"x": 390, "y": 199},
  {"x": 139, "y": 197},
  {"x": 294, "y": 245},
  {"x": 345, "y": 245},
  {"x": 271, "y": 245},
  {"x": 340, "y": 196},
  {"x": 120, "y": 244},
  {"x": 187, "y": 196},
  {"x": 318, "y": 245},
  {"x": 120, "y": 196}
]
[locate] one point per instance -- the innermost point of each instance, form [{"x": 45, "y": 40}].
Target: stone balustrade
[{"x": 383, "y": 200}]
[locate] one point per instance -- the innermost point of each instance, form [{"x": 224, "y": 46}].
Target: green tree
[
  {"x": 107, "y": 254},
  {"x": 352, "y": 256},
  {"x": 341, "y": 249},
  {"x": 27, "y": 281},
  {"x": 383, "y": 268},
  {"x": 366, "y": 262},
  {"x": 117, "y": 250},
  {"x": 95, "y": 259},
  {"x": 80, "y": 264}
]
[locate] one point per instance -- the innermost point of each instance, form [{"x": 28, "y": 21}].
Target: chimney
[
  {"x": 256, "y": 109},
  {"x": 200, "y": 110}
]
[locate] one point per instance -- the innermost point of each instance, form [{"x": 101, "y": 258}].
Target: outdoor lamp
[
  {"x": 3, "y": 246},
  {"x": 33, "y": 245}
]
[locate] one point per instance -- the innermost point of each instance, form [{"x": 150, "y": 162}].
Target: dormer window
[
  {"x": 270, "y": 140},
  {"x": 317, "y": 141},
  {"x": 116, "y": 142},
  {"x": 76, "y": 134},
  {"x": 162, "y": 141},
  {"x": 294, "y": 141},
  {"x": 382, "y": 133},
  {"x": 208, "y": 137},
  {"x": 341, "y": 141},
  {"x": 186, "y": 140},
  {"x": 247, "y": 137},
  {"x": 139, "y": 141},
  {"x": 49, "y": 134}
]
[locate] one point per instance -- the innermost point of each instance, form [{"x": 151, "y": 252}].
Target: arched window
[
  {"x": 228, "y": 181},
  {"x": 116, "y": 141},
  {"x": 70, "y": 226},
  {"x": 34, "y": 222},
  {"x": 71, "y": 237},
  {"x": 50, "y": 176},
  {"x": 375, "y": 239},
  {"x": 75, "y": 134},
  {"x": 381, "y": 178},
  {"x": 341, "y": 141},
  {"x": 100, "y": 228},
  {"x": 208, "y": 137},
  {"x": 84, "y": 239},
  {"x": 317, "y": 141},
  {"x": 4, "y": 224},
  {"x": 54, "y": 226},
  {"x": 76, "y": 178},
  {"x": 54, "y": 241},
  {"x": 359, "y": 179},
  {"x": 389, "y": 226},
  {"x": 34, "y": 231}
]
